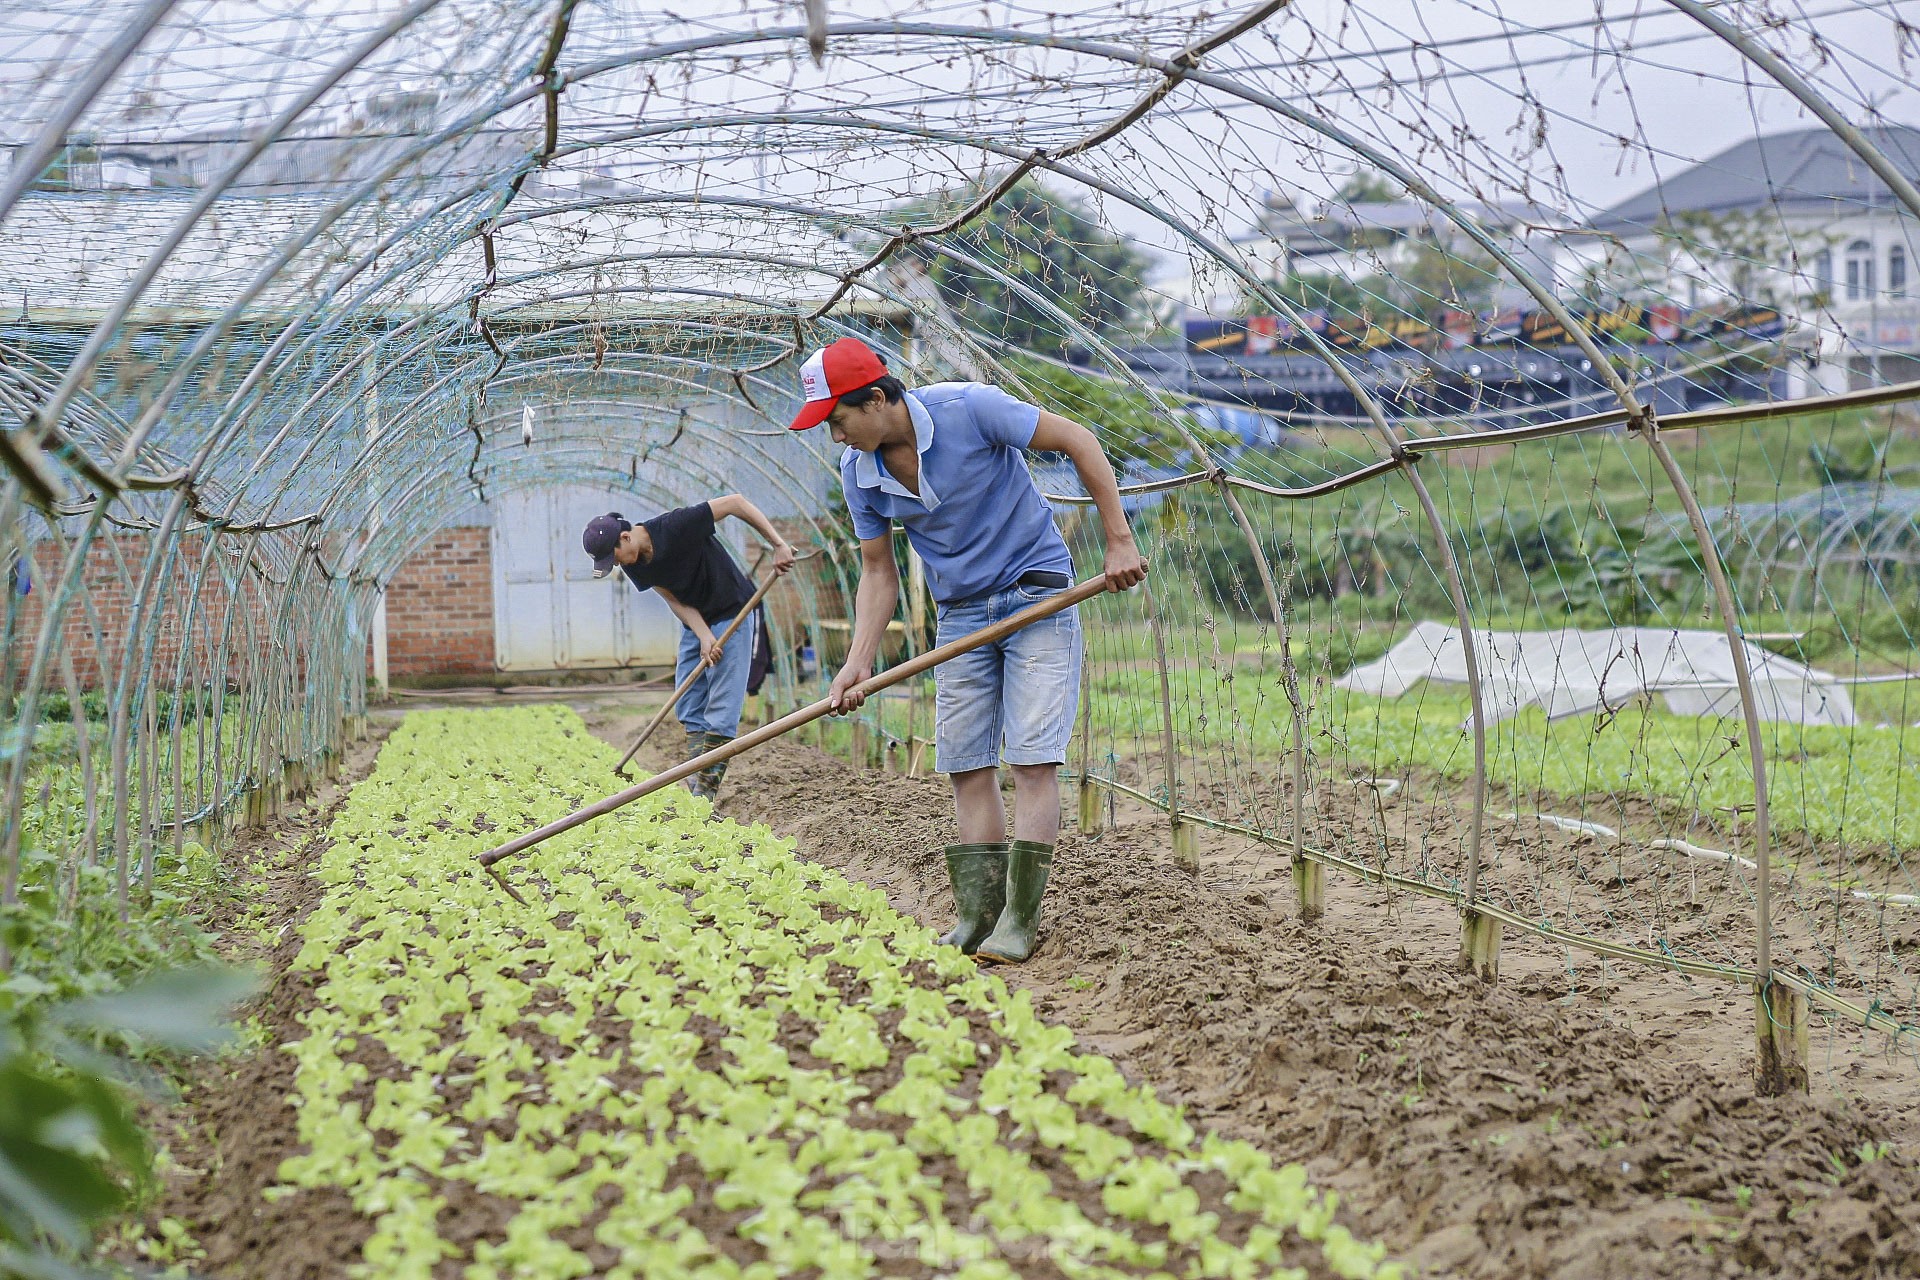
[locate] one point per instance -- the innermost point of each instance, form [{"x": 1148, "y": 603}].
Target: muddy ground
[
  {"x": 1621, "y": 891},
  {"x": 1576, "y": 1120},
  {"x": 1573, "y": 1121}
]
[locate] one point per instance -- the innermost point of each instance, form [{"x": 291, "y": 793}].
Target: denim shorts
[{"x": 1012, "y": 701}]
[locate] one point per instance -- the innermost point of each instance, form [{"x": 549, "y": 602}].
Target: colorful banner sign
[{"x": 1627, "y": 324}]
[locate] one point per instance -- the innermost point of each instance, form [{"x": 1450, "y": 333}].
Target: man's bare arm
[
  {"x": 873, "y": 602},
  {"x": 1125, "y": 567},
  {"x": 734, "y": 504}
]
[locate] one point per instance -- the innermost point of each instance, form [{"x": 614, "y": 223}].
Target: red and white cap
[{"x": 830, "y": 373}]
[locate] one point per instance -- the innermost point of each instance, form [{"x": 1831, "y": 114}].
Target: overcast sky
[{"x": 1577, "y": 103}]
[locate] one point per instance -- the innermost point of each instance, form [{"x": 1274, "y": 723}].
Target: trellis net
[{"x": 1508, "y": 320}]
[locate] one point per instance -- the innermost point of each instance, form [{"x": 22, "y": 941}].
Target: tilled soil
[
  {"x": 1624, "y": 890},
  {"x": 1620, "y": 891},
  {"x": 237, "y": 1127},
  {"x": 233, "y": 1126},
  {"x": 1480, "y": 1130}
]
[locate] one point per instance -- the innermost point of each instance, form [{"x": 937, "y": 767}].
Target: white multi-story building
[{"x": 1794, "y": 220}]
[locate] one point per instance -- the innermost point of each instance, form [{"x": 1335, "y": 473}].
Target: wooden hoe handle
[
  {"x": 694, "y": 674},
  {"x": 804, "y": 716}
]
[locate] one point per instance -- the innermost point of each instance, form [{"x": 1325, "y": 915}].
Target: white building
[{"x": 1794, "y": 220}]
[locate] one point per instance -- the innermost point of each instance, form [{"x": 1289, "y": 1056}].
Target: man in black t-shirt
[{"x": 678, "y": 555}]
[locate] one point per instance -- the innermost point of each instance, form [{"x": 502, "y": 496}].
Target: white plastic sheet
[{"x": 1568, "y": 672}]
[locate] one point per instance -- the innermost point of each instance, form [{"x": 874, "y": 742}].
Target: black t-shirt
[{"x": 692, "y": 564}]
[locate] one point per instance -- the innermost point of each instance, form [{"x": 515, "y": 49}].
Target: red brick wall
[
  {"x": 112, "y": 574},
  {"x": 440, "y": 607},
  {"x": 439, "y": 610}
]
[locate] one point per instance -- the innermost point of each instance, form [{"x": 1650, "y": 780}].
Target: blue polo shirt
[{"x": 979, "y": 521}]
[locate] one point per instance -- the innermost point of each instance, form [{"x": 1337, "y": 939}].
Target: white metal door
[
  {"x": 523, "y": 620},
  {"x": 550, "y": 612}
]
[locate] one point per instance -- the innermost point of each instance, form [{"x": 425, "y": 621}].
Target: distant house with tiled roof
[{"x": 1796, "y": 220}]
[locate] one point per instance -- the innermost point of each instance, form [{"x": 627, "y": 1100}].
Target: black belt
[{"x": 1039, "y": 579}]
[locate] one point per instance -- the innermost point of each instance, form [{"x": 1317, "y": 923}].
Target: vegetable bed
[{"x": 696, "y": 1054}]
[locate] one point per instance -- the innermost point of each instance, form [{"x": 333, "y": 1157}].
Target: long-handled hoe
[
  {"x": 702, "y": 665},
  {"x": 788, "y": 723}
]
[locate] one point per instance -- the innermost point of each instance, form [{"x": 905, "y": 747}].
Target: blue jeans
[
  {"x": 713, "y": 702},
  {"x": 1011, "y": 701}
]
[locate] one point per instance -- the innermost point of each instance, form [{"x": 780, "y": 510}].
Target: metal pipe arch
[
  {"x": 97, "y": 341},
  {"x": 392, "y": 366},
  {"x": 1164, "y": 66},
  {"x": 109, "y": 324}
]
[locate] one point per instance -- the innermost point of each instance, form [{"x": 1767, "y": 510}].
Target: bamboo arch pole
[
  {"x": 1309, "y": 877},
  {"x": 1186, "y": 852},
  {"x": 135, "y": 672},
  {"x": 1780, "y": 1012},
  {"x": 230, "y": 578},
  {"x": 45, "y": 645},
  {"x": 231, "y": 420},
  {"x": 1089, "y": 798},
  {"x": 186, "y": 659}
]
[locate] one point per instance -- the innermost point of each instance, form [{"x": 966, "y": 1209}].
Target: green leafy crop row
[{"x": 696, "y": 1054}]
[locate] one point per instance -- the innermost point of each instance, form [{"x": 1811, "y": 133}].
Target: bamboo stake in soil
[
  {"x": 738, "y": 618},
  {"x": 794, "y": 720}
]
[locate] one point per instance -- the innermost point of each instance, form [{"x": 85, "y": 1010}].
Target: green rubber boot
[
  {"x": 978, "y": 874},
  {"x": 711, "y": 775},
  {"x": 696, "y": 746},
  {"x": 1013, "y": 938}
]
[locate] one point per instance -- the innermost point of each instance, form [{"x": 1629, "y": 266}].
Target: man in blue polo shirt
[{"x": 946, "y": 462}]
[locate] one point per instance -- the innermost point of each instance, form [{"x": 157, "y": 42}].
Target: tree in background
[
  {"x": 1435, "y": 274},
  {"x": 1053, "y": 245},
  {"x": 1413, "y": 271},
  {"x": 1336, "y": 294},
  {"x": 1749, "y": 256},
  {"x": 1135, "y": 427},
  {"x": 1369, "y": 186}
]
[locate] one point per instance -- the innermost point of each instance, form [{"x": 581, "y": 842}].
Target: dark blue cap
[{"x": 602, "y": 538}]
